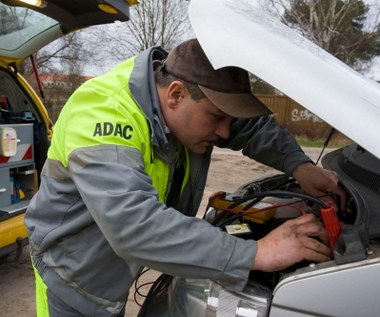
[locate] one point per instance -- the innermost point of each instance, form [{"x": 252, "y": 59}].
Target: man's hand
[
  {"x": 303, "y": 238},
  {"x": 317, "y": 181}
]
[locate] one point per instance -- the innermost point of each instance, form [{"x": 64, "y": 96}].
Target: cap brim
[{"x": 236, "y": 105}]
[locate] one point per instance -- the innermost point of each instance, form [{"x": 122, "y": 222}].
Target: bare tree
[
  {"x": 152, "y": 22},
  {"x": 341, "y": 27},
  {"x": 65, "y": 55}
]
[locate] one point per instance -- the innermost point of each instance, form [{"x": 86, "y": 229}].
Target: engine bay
[{"x": 258, "y": 207}]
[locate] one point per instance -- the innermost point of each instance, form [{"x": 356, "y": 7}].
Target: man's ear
[{"x": 175, "y": 92}]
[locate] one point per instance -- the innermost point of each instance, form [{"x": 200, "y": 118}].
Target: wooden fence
[
  {"x": 298, "y": 120},
  {"x": 291, "y": 115}
]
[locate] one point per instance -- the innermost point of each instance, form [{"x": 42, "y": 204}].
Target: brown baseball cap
[{"x": 228, "y": 87}]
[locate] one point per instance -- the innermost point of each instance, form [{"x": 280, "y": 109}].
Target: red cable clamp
[{"x": 332, "y": 224}]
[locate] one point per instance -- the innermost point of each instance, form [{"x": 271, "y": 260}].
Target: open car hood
[
  {"x": 27, "y": 28},
  {"x": 234, "y": 33}
]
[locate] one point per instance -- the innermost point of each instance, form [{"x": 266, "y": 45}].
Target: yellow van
[{"x": 25, "y": 126}]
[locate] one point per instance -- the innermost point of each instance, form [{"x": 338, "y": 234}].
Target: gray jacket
[{"x": 96, "y": 220}]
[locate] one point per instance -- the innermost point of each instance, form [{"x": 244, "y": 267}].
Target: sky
[{"x": 373, "y": 73}]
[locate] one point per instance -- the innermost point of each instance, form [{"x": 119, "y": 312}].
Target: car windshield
[{"x": 20, "y": 25}]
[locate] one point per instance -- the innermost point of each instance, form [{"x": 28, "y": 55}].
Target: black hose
[{"x": 276, "y": 193}]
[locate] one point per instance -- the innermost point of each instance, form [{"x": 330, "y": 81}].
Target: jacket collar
[{"x": 143, "y": 88}]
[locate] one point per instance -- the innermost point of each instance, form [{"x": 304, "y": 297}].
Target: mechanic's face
[{"x": 196, "y": 124}]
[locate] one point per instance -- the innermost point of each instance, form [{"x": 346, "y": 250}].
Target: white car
[{"x": 235, "y": 33}]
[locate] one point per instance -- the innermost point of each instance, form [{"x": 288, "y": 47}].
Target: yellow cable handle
[{"x": 219, "y": 201}]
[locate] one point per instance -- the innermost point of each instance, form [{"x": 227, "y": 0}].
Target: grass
[{"x": 334, "y": 142}]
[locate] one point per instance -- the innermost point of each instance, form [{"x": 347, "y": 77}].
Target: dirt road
[{"x": 227, "y": 172}]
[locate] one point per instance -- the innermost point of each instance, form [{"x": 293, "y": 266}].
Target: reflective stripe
[
  {"x": 42, "y": 306},
  {"x": 55, "y": 169}
]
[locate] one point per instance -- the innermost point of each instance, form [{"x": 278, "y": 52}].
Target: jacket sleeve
[
  {"x": 264, "y": 140},
  {"x": 121, "y": 199}
]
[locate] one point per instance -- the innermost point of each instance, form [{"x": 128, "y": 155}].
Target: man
[{"x": 125, "y": 175}]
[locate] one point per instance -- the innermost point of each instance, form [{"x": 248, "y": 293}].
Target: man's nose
[{"x": 223, "y": 129}]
